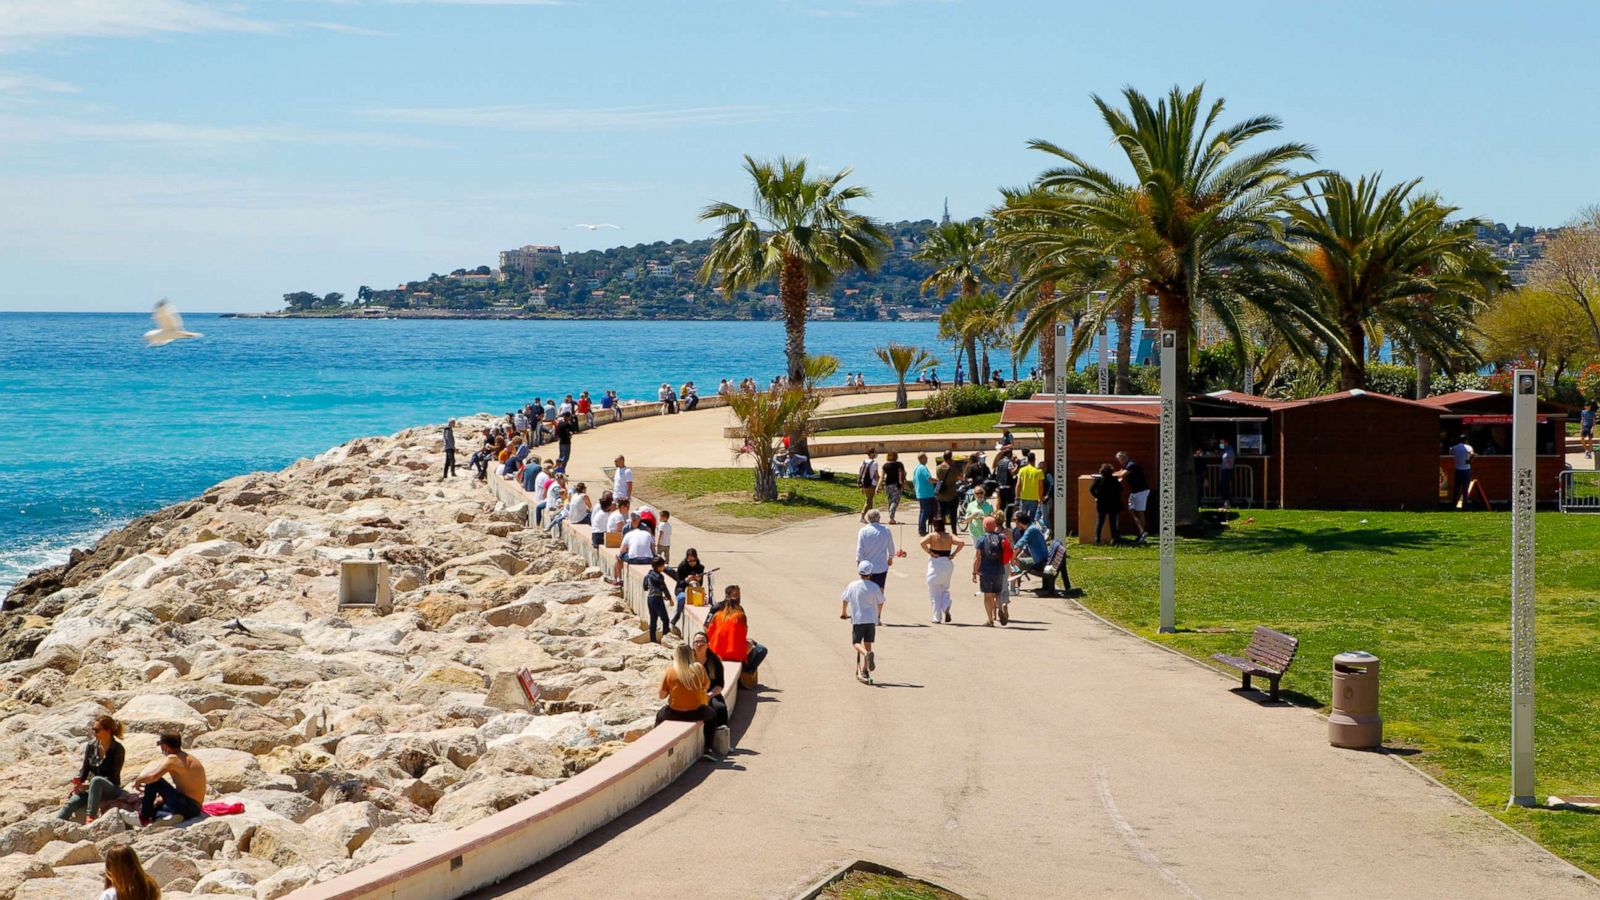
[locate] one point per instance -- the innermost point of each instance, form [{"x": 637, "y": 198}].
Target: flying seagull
[
  {"x": 169, "y": 326},
  {"x": 595, "y": 227}
]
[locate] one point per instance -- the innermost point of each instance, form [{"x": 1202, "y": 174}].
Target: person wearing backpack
[
  {"x": 989, "y": 569},
  {"x": 867, "y": 479}
]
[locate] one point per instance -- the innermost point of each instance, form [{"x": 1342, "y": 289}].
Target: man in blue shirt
[
  {"x": 875, "y": 546},
  {"x": 1033, "y": 552},
  {"x": 922, "y": 484}
]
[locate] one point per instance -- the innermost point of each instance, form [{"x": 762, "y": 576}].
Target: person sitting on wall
[
  {"x": 685, "y": 687},
  {"x": 729, "y": 633},
  {"x": 1033, "y": 555}
]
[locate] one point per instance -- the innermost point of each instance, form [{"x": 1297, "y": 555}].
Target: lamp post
[
  {"x": 1169, "y": 480},
  {"x": 1058, "y": 509},
  {"x": 1105, "y": 364},
  {"x": 1524, "y": 455}
]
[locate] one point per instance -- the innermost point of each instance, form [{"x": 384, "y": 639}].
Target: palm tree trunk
[
  {"x": 1047, "y": 339},
  {"x": 972, "y": 361},
  {"x": 766, "y": 481},
  {"x": 793, "y": 290},
  {"x": 1124, "y": 346},
  {"x": 900, "y": 401},
  {"x": 1353, "y": 368},
  {"x": 1424, "y": 374},
  {"x": 986, "y": 362}
]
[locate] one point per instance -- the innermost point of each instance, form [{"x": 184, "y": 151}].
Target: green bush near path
[{"x": 1429, "y": 594}]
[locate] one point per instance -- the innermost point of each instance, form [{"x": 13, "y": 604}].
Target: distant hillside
[{"x": 644, "y": 281}]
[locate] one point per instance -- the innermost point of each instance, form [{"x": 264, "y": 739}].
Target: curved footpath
[{"x": 1056, "y": 757}]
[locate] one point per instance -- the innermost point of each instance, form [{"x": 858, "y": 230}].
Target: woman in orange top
[
  {"x": 729, "y": 632},
  {"x": 684, "y": 687}
]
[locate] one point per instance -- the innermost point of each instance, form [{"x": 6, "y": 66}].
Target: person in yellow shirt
[{"x": 1030, "y": 486}]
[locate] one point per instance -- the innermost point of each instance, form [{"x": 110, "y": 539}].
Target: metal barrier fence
[
  {"x": 1244, "y": 486},
  {"x": 1580, "y": 491}
]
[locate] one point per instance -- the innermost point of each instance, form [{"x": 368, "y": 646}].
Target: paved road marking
[{"x": 1131, "y": 837}]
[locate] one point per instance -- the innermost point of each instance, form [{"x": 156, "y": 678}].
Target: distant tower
[{"x": 946, "y": 219}]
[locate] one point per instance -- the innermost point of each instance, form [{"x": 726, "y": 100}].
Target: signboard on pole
[
  {"x": 1058, "y": 509},
  {"x": 1105, "y": 364},
  {"x": 1524, "y": 449},
  {"x": 1169, "y": 480}
]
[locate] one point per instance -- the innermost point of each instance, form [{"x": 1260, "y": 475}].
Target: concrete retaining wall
[{"x": 507, "y": 842}]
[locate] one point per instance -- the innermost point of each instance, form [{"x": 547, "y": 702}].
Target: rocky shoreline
[{"x": 346, "y": 734}]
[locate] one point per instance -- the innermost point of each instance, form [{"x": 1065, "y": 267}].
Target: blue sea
[{"x": 97, "y": 429}]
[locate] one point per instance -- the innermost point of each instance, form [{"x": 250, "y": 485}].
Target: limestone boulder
[
  {"x": 285, "y": 844},
  {"x": 469, "y": 803},
  {"x": 346, "y": 824},
  {"x": 161, "y": 714},
  {"x": 61, "y": 853},
  {"x": 285, "y": 882},
  {"x": 226, "y": 882}
]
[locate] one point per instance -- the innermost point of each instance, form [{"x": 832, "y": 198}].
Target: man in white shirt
[
  {"x": 875, "y": 547},
  {"x": 638, "y": 547},
  {"x": 862, "y": 603},
  {"x": 622, "y": 480},
  {"x": 541, "y": 486},
  {"x": 1462, "y": 452}
]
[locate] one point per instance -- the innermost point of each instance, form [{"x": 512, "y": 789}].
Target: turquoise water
[{"x": 96, "y": 429}]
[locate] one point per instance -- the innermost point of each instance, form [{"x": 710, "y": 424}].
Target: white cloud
[
  {"x": 29, "y": 22},
  {"x": 27, "y": 84},
  {"x": 45, "y": 130},
  {"x": 543, "y": 118}
]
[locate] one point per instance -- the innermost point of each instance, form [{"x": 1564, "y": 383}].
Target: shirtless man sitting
[{"x": 183, "y": 795}]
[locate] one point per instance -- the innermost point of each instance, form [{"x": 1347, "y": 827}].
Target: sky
[{"x": 224, "y": 152}]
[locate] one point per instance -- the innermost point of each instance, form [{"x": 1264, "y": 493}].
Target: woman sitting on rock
[
  {"x": 126, "y": 879},
  {"x": 729, "y": 634},
  {"x": 684, "y": 686},
  {"x": 100, "y": 778}
]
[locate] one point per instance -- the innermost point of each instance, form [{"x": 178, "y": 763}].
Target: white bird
[
  {"x": 595, "y": 227},
  {"x": 169, "y": 326}
]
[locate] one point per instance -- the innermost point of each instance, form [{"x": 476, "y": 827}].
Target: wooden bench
[{"x": 1269, "y": 656}]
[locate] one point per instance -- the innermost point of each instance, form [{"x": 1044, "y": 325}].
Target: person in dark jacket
[
  {"x": 100, "y": 777},
  {"x": 689, "y": 572},
  {"x": 1107, "y": 493}
]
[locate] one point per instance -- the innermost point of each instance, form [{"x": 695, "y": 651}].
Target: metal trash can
[{"x": 1354, "y": 722}]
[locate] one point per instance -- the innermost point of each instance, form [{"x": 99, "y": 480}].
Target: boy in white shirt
[{"x": 664, "y": 536}]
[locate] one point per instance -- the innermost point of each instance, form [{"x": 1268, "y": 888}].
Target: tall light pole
[
  {"x": 1169, "y": 480},
  {"x": 1524, "y": 455},
  {"x": 1058, "y": 509}
]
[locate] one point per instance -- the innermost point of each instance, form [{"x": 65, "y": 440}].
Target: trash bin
[{"x": 1355, "y": 722}]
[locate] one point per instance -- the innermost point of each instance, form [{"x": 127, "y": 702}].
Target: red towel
[{"x": 222, "y": 809}]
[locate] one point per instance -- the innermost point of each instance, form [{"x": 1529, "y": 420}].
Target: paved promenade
[{"x": 1054, "y": 758}]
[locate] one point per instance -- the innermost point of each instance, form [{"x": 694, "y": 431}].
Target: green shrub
[
  {"x": 967, "y": 400},
  {"x": 1394, "y": 380},
  {"x": 1022, "y": 390}
]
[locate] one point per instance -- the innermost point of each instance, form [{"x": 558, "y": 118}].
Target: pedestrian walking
[
  {"x": 867, "y": 478},
  {"x": 622, "y": 480},
  {"x": 941, "y": 548},
  {"x": 1030, "y": 486},
  {"x": 1107, "y": 493},
  {"x": 949, "y": 477},
  {"x": 1462, "y": 453},
  {"x": 862, "y": 603},
  {"x": 894, "y": 482},
  {"x": 875, "y": 547},
  {"x": 1225, "y": 473},
  {"x": 1586, "y": 429},
  {"x": 990, "y": 558},
  {"x": 925, "y": 489}
]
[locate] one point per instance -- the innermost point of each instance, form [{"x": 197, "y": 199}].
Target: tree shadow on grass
[{"x": 1333, "y": 540}]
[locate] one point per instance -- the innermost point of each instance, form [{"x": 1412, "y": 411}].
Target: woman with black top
[
  {"x": 894, "y": 482},
  {"x": 1107, "y": 493},
  {"x": 713, "y": 667},
  {"x": 688, "y": 572},
  {"x": 941, "y": 548},
  {"x": 100, "y": 778}
]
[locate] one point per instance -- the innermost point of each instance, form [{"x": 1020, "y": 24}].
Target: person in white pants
[{"x": 941, "y": 548}]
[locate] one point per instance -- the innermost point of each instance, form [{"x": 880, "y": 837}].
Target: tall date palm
[
  {"x": 799, "y": 230},
  {"x": 1189, "y": 226},
  {"x": 961, "y": 263}
]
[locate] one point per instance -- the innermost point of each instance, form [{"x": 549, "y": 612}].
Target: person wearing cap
[
  {"x": 989, "y": 562},
  {"x": 862, "y": 603}
]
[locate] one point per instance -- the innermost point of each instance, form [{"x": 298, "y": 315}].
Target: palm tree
[
  {"x": 1385, "y": 262},
  {"x": 1190, "y": 226},
  {"x": 903, "y": 358},
  {"x": 763, "y": 419},
  {"x": 801, "y": 231},
  {"x": 957, "y": 250},
  {"x": 819, "y": 368}
]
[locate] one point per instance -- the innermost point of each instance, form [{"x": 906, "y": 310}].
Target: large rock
[
  {"x": 161, "y": 714},
  {"x": 235, "y": 770},
  {"x": 167, "y": 868},
  {"x": 469, "y": 803},
  {"x": 347, "y": 824},
  {"x": 14, "y": 870},
  {"x": 62, "y": 853},
  {"x": 286, "y": 881},
  {"x": 285, "y": 844},
  {"x": 227, "y": 882}
]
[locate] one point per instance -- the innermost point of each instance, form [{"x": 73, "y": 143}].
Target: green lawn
[
  {"x": 980, "y": 422},
  {"x": 1429, "y": 594},
  {"x": 876, "y": 407},
  {"x": 872, "y": 886},
  {"x": 719, "y": 499}
]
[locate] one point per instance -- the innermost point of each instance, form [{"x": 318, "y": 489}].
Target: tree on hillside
[
  {"x": 957, "y": 250},
  {"x": 1570, "y": 268},
  {"x": 903, "y": 358},
  {"x": 801, "y": 231},
  {"x": 1383, "y": 263},
  {"x": 762, "y": 420},
  {"x": 301, "y": 301},
  {"x": 1188, "y": 226}
]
